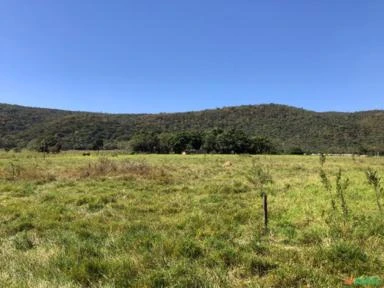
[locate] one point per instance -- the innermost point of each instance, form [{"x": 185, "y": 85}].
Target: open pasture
[{"x": 117, "y": 220}]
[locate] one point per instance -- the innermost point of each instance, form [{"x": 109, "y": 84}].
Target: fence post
[{"x": 265, "y": 207}]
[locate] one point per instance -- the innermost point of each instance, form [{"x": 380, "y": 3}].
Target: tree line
[
  {"x": 293, "y": 130},
  {"x": 212, "y": 141}
]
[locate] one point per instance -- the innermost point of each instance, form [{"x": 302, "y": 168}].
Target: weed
[
  {"x": 259, "y": 177},
  {"x": 374, "y": 180},
  {"x": 328, "y": 187},
  {"x": 341, "y": 185}
]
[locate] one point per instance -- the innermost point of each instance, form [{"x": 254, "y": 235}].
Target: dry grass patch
[
  {"x": 15, "y": 171},
  {"x": 122, "y": 169}
]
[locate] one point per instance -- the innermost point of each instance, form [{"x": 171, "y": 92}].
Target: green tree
[
  {"x": 232, "y": 141},
  {"x": 209, "y": 141},
  {"x": 145, "y": 142},
  {"x": 261, "y": 145},
  {"x": 180, "y": 142},
  {"x": 165, "y": 143},
  {"x": 49, "y": 144},
  {"x": 98, "y": 144}
]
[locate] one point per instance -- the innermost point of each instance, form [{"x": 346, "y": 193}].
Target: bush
[{"x": 296, "y": 151}]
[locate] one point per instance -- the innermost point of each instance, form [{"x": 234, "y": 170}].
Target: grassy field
[{"x": 115, "y": 220}]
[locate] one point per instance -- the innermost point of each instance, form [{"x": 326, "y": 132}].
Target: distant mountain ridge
[{"x": 288, "y": 127}]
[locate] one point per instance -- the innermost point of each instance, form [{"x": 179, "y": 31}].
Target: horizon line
[{"x": 189, "y": 111}]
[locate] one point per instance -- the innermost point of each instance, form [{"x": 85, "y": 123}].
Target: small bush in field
[
  {"x": 259, "y": 177},
  {"x": 374, "y": 180},
  {"x": 341, "y": 184}
]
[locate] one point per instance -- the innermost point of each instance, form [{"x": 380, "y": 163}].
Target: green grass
[{"x": 116, "y": 220}]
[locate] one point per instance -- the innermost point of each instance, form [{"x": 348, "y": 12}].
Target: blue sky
[{"x": 165, "y": 56}]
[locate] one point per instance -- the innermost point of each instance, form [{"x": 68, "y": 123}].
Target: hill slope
[{"x": 286, "y": 126}]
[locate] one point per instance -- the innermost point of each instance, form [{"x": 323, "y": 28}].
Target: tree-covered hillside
[{"x": 287, "y": 127}]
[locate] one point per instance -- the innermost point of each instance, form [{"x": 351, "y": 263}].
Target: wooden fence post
[{"x": 265, "y": 206}]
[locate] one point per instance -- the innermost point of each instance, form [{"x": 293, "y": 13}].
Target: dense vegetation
[
  {"x": 117, "y": 220},
  {"x": 213, "y": 141},
  {"x": 288, "y": 129}
]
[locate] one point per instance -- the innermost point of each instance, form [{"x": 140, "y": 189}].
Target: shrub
[{"x": 374, "y": 180}]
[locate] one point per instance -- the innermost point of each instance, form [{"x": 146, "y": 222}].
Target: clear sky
[{"x": 177, "y": 55}]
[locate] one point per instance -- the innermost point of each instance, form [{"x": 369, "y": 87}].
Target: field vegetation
[{"x": 117, "y": 220}]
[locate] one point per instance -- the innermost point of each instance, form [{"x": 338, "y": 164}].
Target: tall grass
[{"x": 186, "y": 221}]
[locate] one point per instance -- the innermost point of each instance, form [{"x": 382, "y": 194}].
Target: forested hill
[{"x": 287, "y": 127}]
